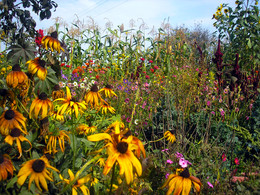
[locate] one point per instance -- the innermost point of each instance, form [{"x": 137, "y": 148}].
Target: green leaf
[{"x": 11, "y": 182}]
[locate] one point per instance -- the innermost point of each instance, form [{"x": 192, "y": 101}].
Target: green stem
[{"x": 112, "y": 178}]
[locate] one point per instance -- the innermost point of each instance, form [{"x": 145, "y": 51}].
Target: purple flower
[
  {"x": 128, "y": 119},
  {"x": 210, "y": 184},
  {"x": 213, "y": 112},
  {"x": 125, "y": 81},
  {"x": 119, "y": 87},
  {"x": 167, "y": 175},
  {"x": 169, "y": 161}
]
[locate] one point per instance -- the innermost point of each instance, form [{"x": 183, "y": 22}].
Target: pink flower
[
  {"x": 183, "y": 163},
  {"x": 208, "y": 103},
  {"x": 150, "y": 61},
  {"x": 164, "y": 150},
  {"x": 213, "y": 112},
  {"x": 147, "y": 77},
  {"x": 178, "y": 155},
  {"x": 169, "y": 161},
  {"x": 197, "y": 69},
  {"x": 167, "y": 175},
  {"x": 128, "y": 119},
  {"x": 236, "y": 161},
  {"x": 210, "y": 184},
  {"x": 247, "y": 118},
  {"x": 142, "y": 59},
  {"x": 174, "y": 75},
  {"x": 224, "y": 157}
]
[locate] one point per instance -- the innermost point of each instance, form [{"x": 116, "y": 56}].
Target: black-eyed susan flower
[
  {"x": 86, "y": 129},
  {"x": 105, "y": 107},
  {"x": 53, "y": 137},
  {"x": 182, "y": 183},
  {"x": 37, "y": 66},
  {"x": 52, "y": 42},
  {"x": 41, "y": 106},
  {"x": 116, "y": 127},
  {"x": 78, "y": 184},
  {"x": 169, "y": 136},
  {"x": 58, "y": 117},
  {"x": 6, "y": 166},
  {"x": 17, "y": 78},
  {"x": 93, "y": 97},
  {"x": 37, "y": 170},
  {"x": 108, "y": 91},
  {"x": 237, "y": 2},
  {"x": 120, "y": 150},
  {"x": 11, "y": 119},
  {"x": 16, "y": 135},
  {"x": 69, "y": 106},
  {"x": 225, "y": 11},
  {"x": 57, "y": 92}
]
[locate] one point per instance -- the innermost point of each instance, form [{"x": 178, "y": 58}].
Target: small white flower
[
  {"x": 75, "y": 84},
  {"x": 136, "y": 121},
  {"x": 85, "y": 80},
  {"x": 82, "y": 85}
]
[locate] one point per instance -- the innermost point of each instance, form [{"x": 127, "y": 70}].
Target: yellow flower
[
  {"x": 169, "y": 136},
  {"x": 36, "y": 169},
  {"x": 93, "y": 97},
  {"x": 120, "y": 150},
  {"x": 9, "y": 68},
  {"x": 181, "y": 183},
  {"x": 69, "y": 106},
  {"x": 78, "y": 184},
  {"x": 52, "y": 42},
  {"x": 237, "y": 2},
  {"x": 106, "y": 107},
  {"x": 116, "y": 127},
  {"x": 37, "y": 66},
  {"x": 41, "y": 106},
  {"x": 17, "y": 79},
  {"x": 3, "y": 70},
  {"x": 58, "y": 117},
  {"x": 83, "y": 128},
  {"x": 15, "y": 135},
  {"x": 11, "y": 119},
  {"x": 226, "y": 11},
  {"x": 6, "y": 166},
  {"x": 57, "y": 92},
  {"x": 107, "y": 90},
  {"x": 53, "y": 138}
]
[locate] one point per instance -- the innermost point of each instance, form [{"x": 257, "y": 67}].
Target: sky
[{"x": 152, "y": 13}]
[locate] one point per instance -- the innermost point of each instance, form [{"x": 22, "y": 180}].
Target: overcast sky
[{"x": 150, "y": 12}]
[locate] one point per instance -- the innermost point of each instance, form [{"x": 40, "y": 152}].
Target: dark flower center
[
  {"x": 43, "y": 96},
  {"x": 94, "y": 88},
  {"x": 185, "y": 173},
  {"x": 42, "y": 63},
  {"x": 1, "y": 159},
  {"x": 128, "y": 133},
  {"x": 38, "y": 166},
  {"x": 3, "y": 92},
  {"x": 16, "y": 67},
  {"x": 56, "y": 88},
  {"x": 122, "y": 147},
  {"x": 15, "y": 132},
  {"x": 54, "y": 34},
  {"x": 108, "y": 86},
  {"x": 9, "y": 114}
]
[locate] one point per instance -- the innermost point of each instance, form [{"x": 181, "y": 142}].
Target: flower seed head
[
  {"x": 15, "y": 132},
  {"x": 16, "y": 67},
  {"x": 94, "y": 88},
  {"x": 43, "y": 96},
  {"x": 38, "y": 165},
  {"x": 185, "y": 173},
  {"x": 9, "y": 115},
  {"x": 122, "y": 147}
]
